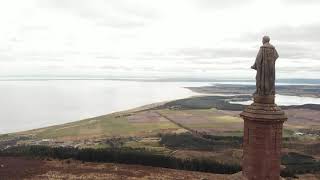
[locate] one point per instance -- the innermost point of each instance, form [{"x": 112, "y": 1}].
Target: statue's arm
[
  {"x": 276, "y": 55},
  {"x": 258, "y": 59}
]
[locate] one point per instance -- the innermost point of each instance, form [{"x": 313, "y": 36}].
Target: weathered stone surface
[
  {"x": 262, "y": 139},
  {"x": 264, "y": 99},
  {"x": 259, "y": 111},
  {"x": 265, "y": 67},
  {"x": 263, "y": 121}
]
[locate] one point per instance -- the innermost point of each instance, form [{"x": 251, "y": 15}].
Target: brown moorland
[{"x": 35, "y": 169}]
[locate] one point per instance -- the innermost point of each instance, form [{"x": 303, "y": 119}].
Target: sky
[{"x": 156, "y": 38}]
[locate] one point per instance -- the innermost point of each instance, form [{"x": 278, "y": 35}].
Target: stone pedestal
[{"x": 263, "y": 122}]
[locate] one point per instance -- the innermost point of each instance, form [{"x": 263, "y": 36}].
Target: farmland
[{"x": 205, "y": 127}]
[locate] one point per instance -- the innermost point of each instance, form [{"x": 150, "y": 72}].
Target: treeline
[
  {"x": 223, "y": 103},
  {"x": 123, "y": 155},
  {"x": 203, "y": 142},
  {"x": 208, "y": 102},
  {"x": 299, "y": 164},
  {"x": 295, "y": 163}
]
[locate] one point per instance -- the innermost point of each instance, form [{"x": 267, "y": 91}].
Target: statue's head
[{"x": 265, "y": 39}]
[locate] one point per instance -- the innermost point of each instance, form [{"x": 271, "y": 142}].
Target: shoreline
[
  {"x": 201, "y": 91},
  {"x": 160, "y": 104},
  {"x": 130, "y": 110},
  {"x": 42, "y": 104},
  {"x": 309, "y": 91}
]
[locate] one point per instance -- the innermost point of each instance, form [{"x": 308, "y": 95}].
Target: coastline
[
  {"x": 47, "y": 103},
  {"x": 224, "y": 91},
  {"x": 312, "y": 91}
]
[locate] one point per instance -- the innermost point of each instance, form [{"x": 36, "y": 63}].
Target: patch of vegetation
[
  {"x": 297, "y": 144},
  {"x": 207, "y": 102},
  {"x": 148, "y": 143},
  {"x": 152, "y": 152},
  {"x": 205, "y": 142},
  {"x": 287, "y": 132},
  {"x": 223, "y": 103},
  {"x": 10, "y": 140},
  {"x": 291, "y": 90},
  {"x": 313, "y": 149},
  {"x": 123, "y": 155},
  {"x": 108, "y": 125},
  {"x": 4, "y": 136},
  {"x": 297, "y": 163},
  {"x": 296, "y": 158},
  {"x": 227, "y": 119}
]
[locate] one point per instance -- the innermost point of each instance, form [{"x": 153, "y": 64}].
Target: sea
[{"x": 30, "y": 104}]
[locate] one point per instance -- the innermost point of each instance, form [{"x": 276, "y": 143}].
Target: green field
[
  {"x": 211, "y": 121},
  {"x": 102, "y": 126}
]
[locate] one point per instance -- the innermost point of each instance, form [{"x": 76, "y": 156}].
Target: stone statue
[
  {"x": 265, "y": 67},
  {"x": 263, "y": 121}
]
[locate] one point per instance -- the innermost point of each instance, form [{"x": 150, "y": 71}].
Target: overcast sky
[{"x": 157, "y": 38}]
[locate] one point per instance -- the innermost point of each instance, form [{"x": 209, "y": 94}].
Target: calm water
[
  {"x": 287, "y": 100},
  {"x": 33, "y": 104}
]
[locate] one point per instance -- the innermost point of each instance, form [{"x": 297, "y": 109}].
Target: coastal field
[{"x": 200, "y": 127}]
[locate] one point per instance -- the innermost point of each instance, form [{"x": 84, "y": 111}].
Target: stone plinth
[{"x": 263, "y": 122}]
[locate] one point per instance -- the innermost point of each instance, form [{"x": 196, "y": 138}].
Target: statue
[
  {"x": 263, "y": 121},
  {"x": 265, "y": 67}
]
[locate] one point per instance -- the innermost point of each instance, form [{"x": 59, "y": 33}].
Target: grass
[
  {"x": 213, "y": 121},
  {"x": 108, "y": 125},
  {"x": 149, "y": 144},
  {"x": 210, "y": 119},
  {"x": 117, "y": 124},
  {"x": 227, "y": 119}
]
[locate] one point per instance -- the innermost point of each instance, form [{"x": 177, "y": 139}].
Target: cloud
[
  {"x": 122, "y": 24},
  {"x": 151, "y": 37},
  {"x": 122, "y": 14},
  {"x": 287, "y": 33},
  {"x": 218, "y": 4},
  {"x": 298, "y": 51},
  {"x": 200, "y": 55},
  {"x": 215, "y": 53},
  {"x": 293, "y": 42},
  {"x": 300, "y": 2},
  {"x": 301, "y": 33},
  {"x": 114, "y": 67}
]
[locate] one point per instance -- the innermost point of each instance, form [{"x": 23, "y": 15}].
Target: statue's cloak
[{"x": 265, "y": 66}]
